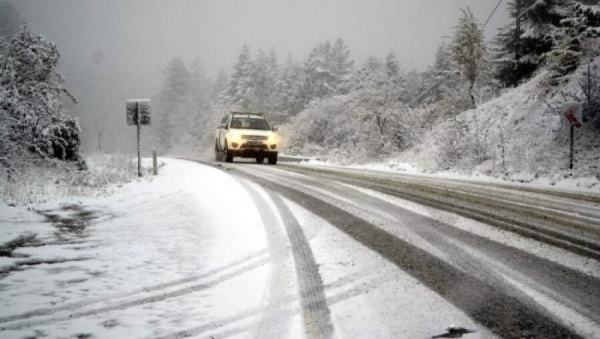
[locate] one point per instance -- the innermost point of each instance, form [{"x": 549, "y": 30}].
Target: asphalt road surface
[
  {"x": 508, "y": 256},
  {"x": 216, "y": 250}
]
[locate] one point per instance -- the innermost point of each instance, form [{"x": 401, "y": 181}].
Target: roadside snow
[
  {"x": 150, "y": 260},
  {"x": 580, "y": 184}
]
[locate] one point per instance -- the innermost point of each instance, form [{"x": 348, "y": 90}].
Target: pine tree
[
  {"x": 468, "y": 50},
  {"x": 320, "y": 80},
  {"x": 442, "y": 82},
  {"x": 240, "y": 91},
  {"x": 200, "y": 85},
  {"x": 517, "y": 54},
  {"x": 174, "y": 103},
  {"x": 219, "y": 85},
  {"x": 589, "y": 84},
  {"x": 341, "y": 64},
  {"x": 289, "y": 88},
  {"x": 392, "y": 66},
  {"x": 326, "y": 68},
  {"x": 263, "y": 77},
  {"x": 577, "y": 31}
]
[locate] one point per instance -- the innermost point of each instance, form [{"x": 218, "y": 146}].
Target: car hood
[{"x": 252, "y": 132}]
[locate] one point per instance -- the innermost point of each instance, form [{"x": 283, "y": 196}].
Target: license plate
[{"x": 253, "y": 143}]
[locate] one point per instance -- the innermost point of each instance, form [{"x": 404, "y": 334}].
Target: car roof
[{"x": 248, "y": 115}]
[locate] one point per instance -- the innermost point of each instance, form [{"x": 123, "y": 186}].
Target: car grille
[
  {"x": 255, "y": 146},
  {"x": 254, "y": 137}
]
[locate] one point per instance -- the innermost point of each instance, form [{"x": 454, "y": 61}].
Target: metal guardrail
[{"x": 292, "y": 158}]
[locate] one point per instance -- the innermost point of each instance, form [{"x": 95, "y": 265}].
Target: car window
[{"x": 249, "y": 123}]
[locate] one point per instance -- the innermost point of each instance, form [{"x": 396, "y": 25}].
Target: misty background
[{"x": 112, "y": 50}]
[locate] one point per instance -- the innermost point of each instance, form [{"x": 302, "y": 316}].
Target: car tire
[
  {"x": 228, "y": 155},
  {"x": 260, "y": 159},
  {"x": 218, "y": 153},
  {"x": 220, "y": 157},
  {"x": 273, "y": 159}
]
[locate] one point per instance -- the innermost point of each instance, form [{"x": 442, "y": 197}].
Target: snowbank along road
[{"x": 217, "y": 250}]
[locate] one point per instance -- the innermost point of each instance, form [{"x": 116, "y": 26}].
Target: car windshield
[{"x": 249, "y": 123}]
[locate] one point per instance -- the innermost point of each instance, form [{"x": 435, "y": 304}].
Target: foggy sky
[{"x": 117, "y": 49}]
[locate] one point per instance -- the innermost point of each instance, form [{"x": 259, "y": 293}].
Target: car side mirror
[{"x": 274, "y": 128}]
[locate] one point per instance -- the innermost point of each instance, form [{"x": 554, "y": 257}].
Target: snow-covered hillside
[{"x": 521, "y": 135}]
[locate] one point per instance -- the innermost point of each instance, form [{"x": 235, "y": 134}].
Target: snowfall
[{"x": 195, "y": 251}]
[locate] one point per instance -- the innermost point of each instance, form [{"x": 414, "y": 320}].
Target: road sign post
[
  {"x": 154, "y": 162},
  {"x": 573, "y": 114},
  {"x": 571, "y": 146},
  {"x": 138, "y": 114}
]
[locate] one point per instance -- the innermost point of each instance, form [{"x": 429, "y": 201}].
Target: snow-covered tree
[
  {"x": 219, "y": 84},
  {"x": 31, "y": 110},
  {"x": 252, "y": 84},
  {"x": 341, "y": 64},
  {"x": 289, "y": 88},
  {"x": 174, "y": 104},
  {"x": 367, "y": 118},
  {"x": 326, "y": 67},
  {"x": 575, "y": 37},
  {"x": 589, "y": 84},
  {"x": 468, "y": 50},
  {"x": 263, "y": 78},
  {"x": 392, "y": 66},
  {"x": 200, "y": 85},
  {"x": 240, "y": 91},
  {"x": 440, "y": 80},
  {"x": 517, "y": 54}
]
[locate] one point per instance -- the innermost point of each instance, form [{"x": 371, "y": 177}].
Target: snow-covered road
[{"x": 244, "y": 250}]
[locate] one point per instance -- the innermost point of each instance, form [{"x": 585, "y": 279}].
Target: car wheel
[
  {"x": 228, "y": 155},
  {"x": 217, "y": 153},
  {"x": 272, "y": 159},
  {"x": 260, "y": 159}
]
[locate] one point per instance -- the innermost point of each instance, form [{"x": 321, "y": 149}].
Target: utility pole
[
  {"x": 99, "y": 142},
  {"x": 517, "y": 40}
]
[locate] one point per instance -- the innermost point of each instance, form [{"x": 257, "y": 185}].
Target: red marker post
[{"x": 573, "y": 114}]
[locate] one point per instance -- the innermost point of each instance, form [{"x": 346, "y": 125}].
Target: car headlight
[
  {"x": 273, "y": 139},
  {"x": 234, "y": 137}
]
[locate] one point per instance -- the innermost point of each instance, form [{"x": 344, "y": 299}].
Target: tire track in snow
[
  {"x": 140, "y": 301},
  {"x": 162, "y": 286},
  {"x": 315, "y": 313},
  {"x": 344, "y": 288},
  {"x": 272, "y": 324},
  {"x": 486, "y": 210},
  {"x": 569, "y": 286},
  {"x": 500, "y": 312},
  {"x": 314, "y": 303}
]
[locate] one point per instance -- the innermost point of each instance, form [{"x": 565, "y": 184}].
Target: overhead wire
[{"x": 492, "y": 14}]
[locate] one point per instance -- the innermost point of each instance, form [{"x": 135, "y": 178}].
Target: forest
[
  {"x": 487, "y": 105},
  {"x": 333, "y": 108}
]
